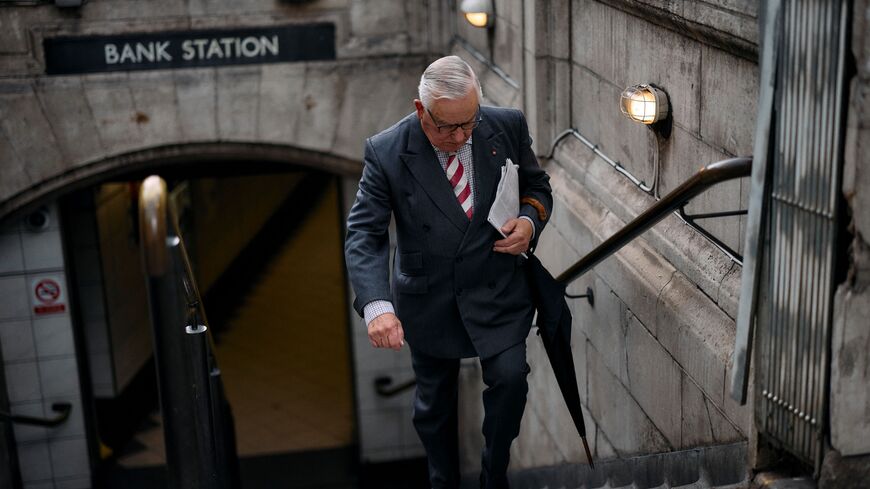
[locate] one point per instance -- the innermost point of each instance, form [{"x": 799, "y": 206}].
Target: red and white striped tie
[{"x": 459, "y": 180}]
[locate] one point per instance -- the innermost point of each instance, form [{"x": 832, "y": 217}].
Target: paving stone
[
  {"x": 280, "y": 85},
  {"x": 15, "y": 175},
  {"x": 637, "y": 59},
  {"x": 508, "y": 49},
  {"x": 13, "y": 37},
  {"x": 63, "y": 100},
  {"x": 702, "y": 423},
  {"x": 322, "y": 99},
  {"x": 697, "y": 333},
  {"x": 618, "y": 414},
  {"x": 596, "y": 115},
  {"x": 654, "y": 380},
  {"x": 729, "y": 85},
  {"x": 196, "y": 93},
  {"x": 156, "y": 113},
  {"x": 362, "y": 87},
  {"x": 850, "y": 426},
  {"x": 594, "y": 34},
  {"x": 237, "y": 103},
  {"x": 111, "y": 102},
  {"x": 30, "y": 134},
  {"x": 607, "y": 327}
]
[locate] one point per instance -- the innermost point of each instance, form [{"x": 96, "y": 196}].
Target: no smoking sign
[{"x": 47, "y": 296}]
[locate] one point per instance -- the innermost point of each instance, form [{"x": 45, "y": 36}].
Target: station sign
[{"x": 189, "y": 49}]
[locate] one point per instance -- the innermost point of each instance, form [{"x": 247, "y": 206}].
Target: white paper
[{"x": 506, "y": 205}]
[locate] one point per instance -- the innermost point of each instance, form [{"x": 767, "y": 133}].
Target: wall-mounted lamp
[
  {"x": 644, "y": 103},
  {"x": 478, "y": 13},
  {"x": 648, "y": 105}
]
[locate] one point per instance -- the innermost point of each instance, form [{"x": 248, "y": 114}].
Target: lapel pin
[{"x": 493, "y": 152}]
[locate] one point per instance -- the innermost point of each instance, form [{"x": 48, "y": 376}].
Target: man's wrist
[
  {"x": 377, "y": 308},
  {"x": 527, "y": 218}
]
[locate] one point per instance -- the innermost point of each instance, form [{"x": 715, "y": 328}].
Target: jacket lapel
[
  {"x": 488, "y": 158},
  {"x": 424, "y": 166}
]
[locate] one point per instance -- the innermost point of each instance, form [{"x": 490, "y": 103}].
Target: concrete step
[{"x": 720, "y": 467}]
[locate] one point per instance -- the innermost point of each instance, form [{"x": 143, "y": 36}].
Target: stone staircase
[{"x": 721, "y": 467}]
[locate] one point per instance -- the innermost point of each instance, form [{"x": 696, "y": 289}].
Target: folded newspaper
[{"x": 506, "y": 205}]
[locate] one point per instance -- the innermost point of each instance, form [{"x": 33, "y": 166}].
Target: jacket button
[
  {"x": 426, "y": 227},
  {"x": 458, "y": 292},
  {"x": 458, "y": 259}
]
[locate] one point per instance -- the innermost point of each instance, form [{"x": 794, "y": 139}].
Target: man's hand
[
  {"x": 385, "y": 331},
  {"x": 519, "y": 234}
]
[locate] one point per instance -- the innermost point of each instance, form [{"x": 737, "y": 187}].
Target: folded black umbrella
[{"x": 554, "y": 327}]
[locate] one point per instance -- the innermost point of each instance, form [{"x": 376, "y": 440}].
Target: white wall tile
[
  {"x": 22, "y": 382},
  {"x": 380, "y": 430},
  {"x": 42, "y": 250},
  {"x": 69, "y": 458},
  {"x": 11, "y": 256},
  {"x": 59, "y": 378},
  {"x": 10, "y": 226},
  {"x": 368, "y": 398},
  {"x": 39, "y": 485},
  {"x": 91, "y": 303},
  {"x": 88, "y": 267},
  {"x": 23, "y": 432},
  {"x": 410, "y": 439},
  {"x": 14, "y": 303},
  {"x": 53, "y": 336},
  {"x": 102, "y": 381},
  {"x": 35, "y": 461},
  {"x": 73, "y": 483},
  {"x": 16, "y": 341}
]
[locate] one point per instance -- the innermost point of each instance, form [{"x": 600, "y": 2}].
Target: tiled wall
[
  {"x": 39, "y": 358},
  {"x": 385, "y": 428}
]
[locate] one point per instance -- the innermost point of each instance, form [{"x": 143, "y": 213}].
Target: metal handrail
[
  {"x": 157, "y": 211},
  {"x": 710, "y": 175},
  {"x": 62, "y": 408},
  {"x": 197, "y": 422}
]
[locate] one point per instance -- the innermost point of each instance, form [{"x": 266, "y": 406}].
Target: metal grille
[{"x": 796, "y": 296}]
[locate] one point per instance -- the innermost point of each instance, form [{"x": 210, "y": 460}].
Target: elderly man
[{"x": 458, "y": 287}]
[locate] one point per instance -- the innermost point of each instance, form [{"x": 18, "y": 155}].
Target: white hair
[{"x": 449, "y": 77}]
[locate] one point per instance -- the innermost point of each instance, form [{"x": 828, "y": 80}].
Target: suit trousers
[{"x": 435, "y": 414}]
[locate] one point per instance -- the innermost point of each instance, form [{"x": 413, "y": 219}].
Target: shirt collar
[{"x": 438, "y": 151}]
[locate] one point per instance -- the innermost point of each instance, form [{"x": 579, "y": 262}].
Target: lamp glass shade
[
  {"x": 644, "y": 103},
  {"x": 477, "y": 19},
  {"x": 477, "y": 12}
]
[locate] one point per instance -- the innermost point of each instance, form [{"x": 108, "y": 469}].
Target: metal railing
[
  {"x": 63, "y": 409},
  {"x": 197, "y": 422},
  {"x": 708, "y": 176}
]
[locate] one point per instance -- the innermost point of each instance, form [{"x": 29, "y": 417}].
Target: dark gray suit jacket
[{"x": 448, "y": 284}]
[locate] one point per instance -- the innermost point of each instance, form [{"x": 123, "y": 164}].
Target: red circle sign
[{"x": 47, "y": 291}]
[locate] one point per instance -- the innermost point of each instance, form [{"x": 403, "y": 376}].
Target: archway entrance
[{"x": 266, "y": 245}]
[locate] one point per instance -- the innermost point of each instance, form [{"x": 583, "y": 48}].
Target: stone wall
[
  {"x": 653, "y": 354},
  {"x": 850, "y": 365},
  {"x": 66, "y": 128},
  {"x": 60, "y": 133}
]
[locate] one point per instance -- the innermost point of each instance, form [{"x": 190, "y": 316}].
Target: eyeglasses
[{"x": 451, "y": 128}]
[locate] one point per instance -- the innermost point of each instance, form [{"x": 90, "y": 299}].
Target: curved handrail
[
  {"x": 197, "y": 421},
  {"x": 63, "y": 409},
  {"x": 152, "y": 225},
  {"x": 705, "y": 178}
]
